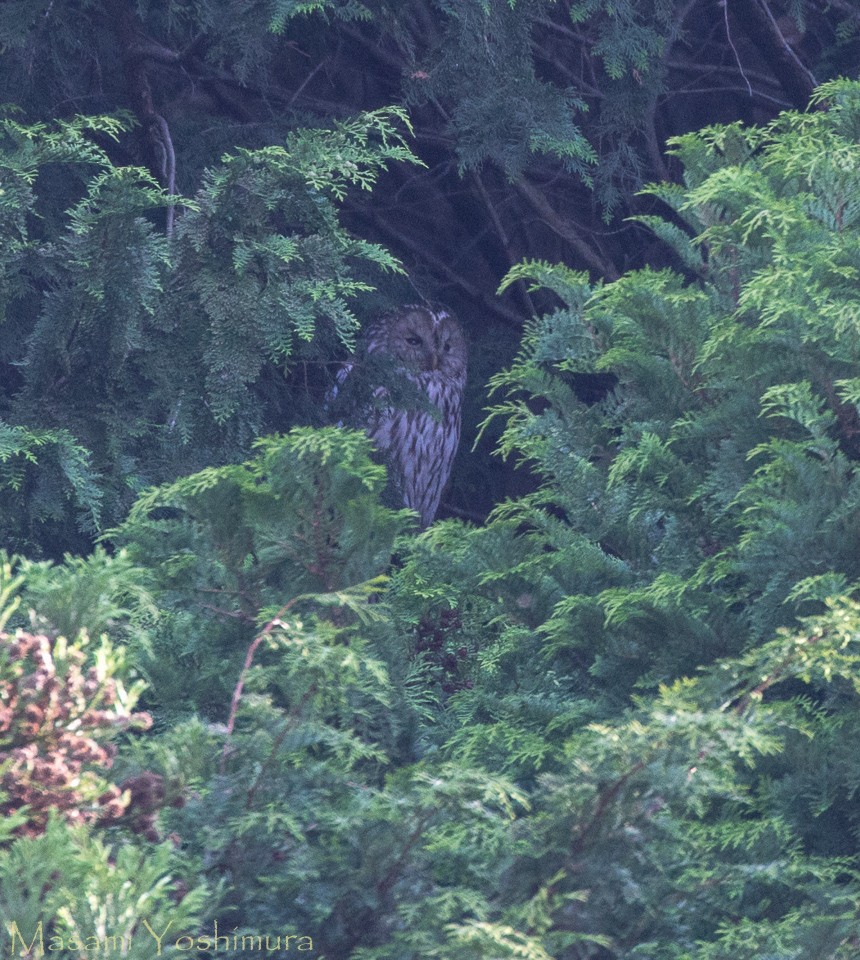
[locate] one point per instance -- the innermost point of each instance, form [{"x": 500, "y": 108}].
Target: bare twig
[
  {"x": 393, "y": 872},
  {"x": 761, "y": 28},
  {"x": 725, "y": 6},
  {"x": 287, "y": 725},
  {"x": 306, "y": 81},
  {"x": 240, "y": 685},
  {"x": 502, "y": 234},
  {"x": 787, "y": 47},
  {"x": 709, "y": 69},
  {"x": 472, "y": 290},
  {"x": 695, "y": 91},
  {"x": 607, "y": 797},
  {"x": 128, "y": 29}
]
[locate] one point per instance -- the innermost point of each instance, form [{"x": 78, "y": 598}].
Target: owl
[{"x": 425, "y": 345}]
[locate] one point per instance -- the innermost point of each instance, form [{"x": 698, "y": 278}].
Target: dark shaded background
[{"x": 537, "y": 123}]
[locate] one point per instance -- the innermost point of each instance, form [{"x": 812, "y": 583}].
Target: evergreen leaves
[
  {"x": 616, "y": 721},
  {"x": 715, "y": 487},
  {"x": 125, "y": 343}
]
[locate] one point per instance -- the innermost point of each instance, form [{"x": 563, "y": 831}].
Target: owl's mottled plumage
[{"x": 426, "y": 344}]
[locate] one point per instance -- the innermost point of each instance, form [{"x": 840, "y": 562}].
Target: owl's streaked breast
[{"x": 427, "y": 346}]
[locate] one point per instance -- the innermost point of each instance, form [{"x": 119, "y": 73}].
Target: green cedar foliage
[
  {"x": 65, "y": 492},
  {"x": 294, "y": 710},
  {"x": 227, "y": 544},
  {"x": 70, "y": 869},
  {"x": 129, "y": 356},
  {"x": 82, "y": 889},
  {"x": 722, "y": 465},
  {"x": 617, "y": 722},
  {"x": 683, "y": 523},
  {"x": 482, "y": 67}
]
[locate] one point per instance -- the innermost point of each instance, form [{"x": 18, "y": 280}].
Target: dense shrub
[{"x": 616, "y": 721}]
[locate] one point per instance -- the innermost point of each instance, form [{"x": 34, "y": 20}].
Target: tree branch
[
  {"x": 761, "y": 28},
  {"x": 472, "y": 290},
  {"x": 128, "y": 30},
  {"x": 565, "y": 229}
]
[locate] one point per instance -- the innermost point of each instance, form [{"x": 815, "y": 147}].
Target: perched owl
[{"x": 425, "y": 345}]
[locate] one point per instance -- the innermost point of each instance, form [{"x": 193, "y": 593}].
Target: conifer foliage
[
  {"x": 683, "y": 523},
  {"x": 120, "y": 344},
  {"x": 616, "y": 721}
]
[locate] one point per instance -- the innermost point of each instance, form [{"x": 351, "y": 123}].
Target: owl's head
[{"x": 427, "y": 340}]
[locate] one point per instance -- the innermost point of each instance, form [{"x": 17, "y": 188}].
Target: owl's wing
[
  {"x": 340, "y": 380},
  {"x": 334, "y": 389}
]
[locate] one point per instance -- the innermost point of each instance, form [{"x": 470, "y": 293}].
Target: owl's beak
[{"x": 434, "y": 361}]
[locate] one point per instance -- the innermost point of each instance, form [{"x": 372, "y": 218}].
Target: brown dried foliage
[{"x": 57, "y": 718}]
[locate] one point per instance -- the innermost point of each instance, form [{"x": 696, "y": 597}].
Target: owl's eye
[
  {"x": 447, "y": 346},
  {"x": 414, "y": 341}
]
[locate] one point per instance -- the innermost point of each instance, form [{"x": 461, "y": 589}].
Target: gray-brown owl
[{"x": 426, "y": 345}]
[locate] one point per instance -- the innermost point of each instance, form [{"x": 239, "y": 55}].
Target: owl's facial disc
[{"x": 427, "y": 340}]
